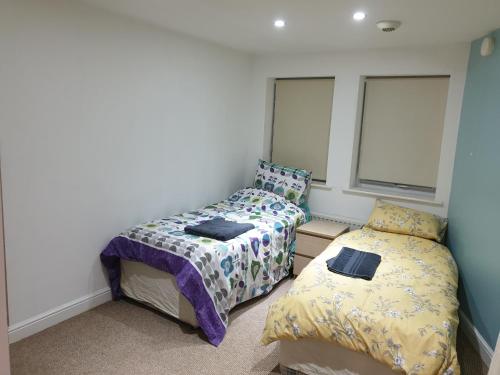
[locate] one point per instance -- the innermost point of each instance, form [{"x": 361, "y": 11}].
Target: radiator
[{"x": 353, "y": 224}]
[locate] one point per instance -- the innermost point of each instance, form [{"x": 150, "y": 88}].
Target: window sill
[
  {"x": 398, "y": 197},
  {"x": 319, "y": 186}
]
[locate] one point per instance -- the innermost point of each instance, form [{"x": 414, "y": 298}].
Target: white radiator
[{"x": 353, "y": 224}]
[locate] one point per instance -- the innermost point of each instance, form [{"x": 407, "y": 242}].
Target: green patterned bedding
[{"x": 213, "y": 275}]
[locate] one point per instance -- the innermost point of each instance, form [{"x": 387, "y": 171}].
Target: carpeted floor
[{"x": 126, "y": 338}]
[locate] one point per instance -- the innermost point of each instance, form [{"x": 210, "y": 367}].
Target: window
[
  {"x": 301, "y": 124},
  {"x": 401, "y": 132}
]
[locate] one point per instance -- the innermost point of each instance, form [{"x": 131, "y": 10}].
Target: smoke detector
[{"x": 388, "y": 26}]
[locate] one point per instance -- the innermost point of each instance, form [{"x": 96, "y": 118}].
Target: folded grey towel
[
  {"x": 354, "y": 263},
  {"x": 219, "y": 229}
]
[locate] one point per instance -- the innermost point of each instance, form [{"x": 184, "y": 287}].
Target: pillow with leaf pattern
[
  {"x": 291, "y": 183},
  {"x": 387, "y": 217}
]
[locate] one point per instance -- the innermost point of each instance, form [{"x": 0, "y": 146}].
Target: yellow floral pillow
[{"x": 388, "y": 217}]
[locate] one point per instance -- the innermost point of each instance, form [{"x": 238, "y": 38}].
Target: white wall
[
  {"x": 105, "y": 122},
  {"x": 348, "y": 69},
  {"x": 4, "y": 342}
]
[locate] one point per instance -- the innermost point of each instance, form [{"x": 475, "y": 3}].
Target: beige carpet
[{"x": 125, "y": 338}]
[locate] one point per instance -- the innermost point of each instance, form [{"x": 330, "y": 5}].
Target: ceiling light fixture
[
  {"x": 359, "y": 16},
  {"x": 279, "y": 23}
]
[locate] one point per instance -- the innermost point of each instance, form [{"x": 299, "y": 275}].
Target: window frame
[
  {"x": 317, "y": 182},
  {"x": 384, "y": 187}
]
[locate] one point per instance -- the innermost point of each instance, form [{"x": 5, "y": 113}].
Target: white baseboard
[
  {"x": 56, "y": 315},
  {"x": 476, "y": 339}
]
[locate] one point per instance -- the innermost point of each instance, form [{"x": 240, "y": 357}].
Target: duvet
[
  {"x": 215, "y": 276},
  {"x": 405, "y": 317}
]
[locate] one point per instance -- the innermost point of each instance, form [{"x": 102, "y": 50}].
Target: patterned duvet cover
[
  {"x": 215, "y": 276},
  {"x": 405, "y": 317}
]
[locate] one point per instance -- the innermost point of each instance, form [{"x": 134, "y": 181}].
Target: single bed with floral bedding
[
  {"x": 214, "y": 275},
  {"x": 405, "y": 317}
]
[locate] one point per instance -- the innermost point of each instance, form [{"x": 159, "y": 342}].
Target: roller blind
[
  {"x": 402, "y": 130},
  {"x": 301, "y": 127}
]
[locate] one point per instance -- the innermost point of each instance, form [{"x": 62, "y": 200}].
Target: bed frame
[
  {"x": 312, "y": 357},
  {"x": 157, "y": 289}
]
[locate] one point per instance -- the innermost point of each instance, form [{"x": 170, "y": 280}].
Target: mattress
[
  {"x": 314, "y": 357},
  {"x": 157, "y": 289}
]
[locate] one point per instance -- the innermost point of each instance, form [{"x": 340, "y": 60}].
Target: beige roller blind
[
  {"x": 301, "y": 128},
  {"x": 402, "y": 130}
]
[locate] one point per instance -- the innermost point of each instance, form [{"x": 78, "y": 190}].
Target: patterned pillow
[
  {"x": 292, "y": 184},
  {"x": 388, "y": 217}
]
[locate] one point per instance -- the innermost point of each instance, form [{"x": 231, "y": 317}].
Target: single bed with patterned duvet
[
  {"x": 212, "y": 275},
  {"x": 405, "y": 318}
]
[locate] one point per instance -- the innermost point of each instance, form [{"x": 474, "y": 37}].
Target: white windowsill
[
  {"x": 407, "y": 198},
  {"x": 320, "y": 186}
]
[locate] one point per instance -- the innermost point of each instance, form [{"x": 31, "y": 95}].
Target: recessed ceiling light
[
  {"x": 279, "y": 23},
  {"x": 359, "y": 16}
]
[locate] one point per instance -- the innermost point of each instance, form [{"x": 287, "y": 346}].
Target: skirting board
[
  {"x": 476, "y": 339},
  {"x": 57, "y": 315}
]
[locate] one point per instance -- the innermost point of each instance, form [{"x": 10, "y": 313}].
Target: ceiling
[{"x": 316, "y": 25}]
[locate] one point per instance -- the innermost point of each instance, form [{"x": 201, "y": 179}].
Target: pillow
[
  {"x": 290, "y": 183},
  {"x": 387, "y": 217},
  {"x": 306, "y": 210}
]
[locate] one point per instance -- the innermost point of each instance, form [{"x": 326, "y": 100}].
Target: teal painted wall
[{"x": 474, "y": 212}]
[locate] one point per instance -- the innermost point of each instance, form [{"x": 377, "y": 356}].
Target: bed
[
  {"x": 199, "y": 280},
  {"x": 403, "y": 321}
]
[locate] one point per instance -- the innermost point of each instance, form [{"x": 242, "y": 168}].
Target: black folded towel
[
  {"x": 354, "y": 263},
  {"x": 218, "y": 229}
]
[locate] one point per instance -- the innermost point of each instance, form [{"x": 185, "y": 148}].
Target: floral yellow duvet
[{"x": 405, "y": 317}]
